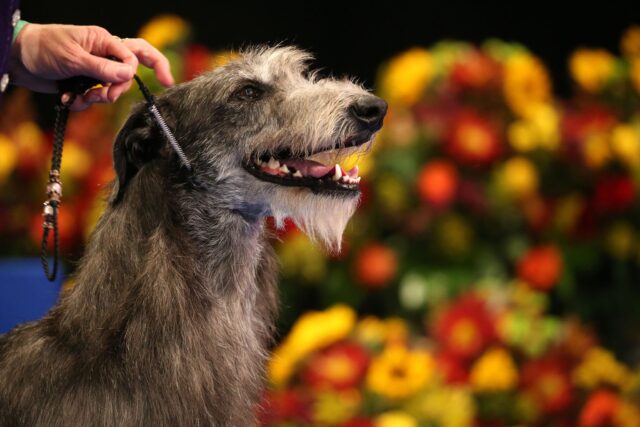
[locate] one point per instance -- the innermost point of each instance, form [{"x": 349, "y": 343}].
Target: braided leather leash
[{"x": 77, "y": 86}]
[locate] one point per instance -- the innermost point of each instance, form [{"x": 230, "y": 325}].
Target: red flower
[
  {"x": 472, "y": 140},
  {"x": 475, "y": 70},
  {"x": 341, "y": 366},
  {"x": 600, "y": 409},
  {"x": 613, "y": 194},
  {"x": 452, "y": 368},
  {"x": 472, "y": 195},
  {"x": 375, "y": 265},
  {"x": 196, "y": 61},
  {"x": 541, "y": 267},
  {"x": 465, "y": 328},
  {"x": 578, "y": 124},
  {"x": 438, "y": 183},
  {"x": 285, "y": 405},
  {"x": 288, "y": 228},
  {"x": 547, "y": 381}
]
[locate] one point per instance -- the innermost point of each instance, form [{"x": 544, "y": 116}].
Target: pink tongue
[{"x": 309, "y": 167}]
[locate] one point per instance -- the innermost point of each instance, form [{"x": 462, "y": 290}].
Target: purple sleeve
[{"x": 9, "y": 16}]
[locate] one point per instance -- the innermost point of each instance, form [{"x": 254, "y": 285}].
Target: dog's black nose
[{"x": 369, "y": 111}]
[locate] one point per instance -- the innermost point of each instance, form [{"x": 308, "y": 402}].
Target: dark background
[{"x": 354, "y": 37}]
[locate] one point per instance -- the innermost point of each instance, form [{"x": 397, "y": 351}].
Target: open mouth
[{"x": 311, "y": 171}]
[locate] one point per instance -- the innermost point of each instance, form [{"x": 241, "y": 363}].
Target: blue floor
[{"x": 25, "y": 293}]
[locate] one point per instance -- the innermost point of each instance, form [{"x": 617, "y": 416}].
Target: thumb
[{"x": 104, "y": 69}]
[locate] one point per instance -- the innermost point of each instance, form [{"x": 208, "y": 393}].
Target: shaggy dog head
[{"x": 265, "y": 137}]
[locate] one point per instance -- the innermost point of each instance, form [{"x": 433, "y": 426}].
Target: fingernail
[
  {"x": 124, "y": 73},
  {"x": 65, "y": 98}
]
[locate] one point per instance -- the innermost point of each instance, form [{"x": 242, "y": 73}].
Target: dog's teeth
[
  {"x": 273, "y": 163},
  {"x": 297, "y": 174},
  {"x": 284, "y": 169},
  {"x": 357, "y": 180},
  {"x": 338, "y": 173}
]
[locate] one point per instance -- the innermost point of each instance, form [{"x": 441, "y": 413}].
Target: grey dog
[{"x": 172, "y": 314}]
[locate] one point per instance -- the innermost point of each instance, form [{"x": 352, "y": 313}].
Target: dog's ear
[{"x": 138, "y": 142}]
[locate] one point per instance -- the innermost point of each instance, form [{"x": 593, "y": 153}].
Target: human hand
[{"x": 43, "y": 54}]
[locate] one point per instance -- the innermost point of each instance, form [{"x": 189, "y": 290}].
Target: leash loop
[
  {"x": 76, "y": 86},
  {"x": 54, "y": 192}
]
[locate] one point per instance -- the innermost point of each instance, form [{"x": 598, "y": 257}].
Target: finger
[
  {"x": 151, "y": 58},
  {"x": 104, "y": 69},
  {"x": 79, "y": 104},
  {"x": 98, "y": 95},
  {"x": 118, "y": 89},
  {"x": 106, "y": 45}
]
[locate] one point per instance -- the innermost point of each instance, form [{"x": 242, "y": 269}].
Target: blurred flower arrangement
[
  {"x": 497, "y": 242},
  {"x": 25, "y": 150},
  {"x": 489, "y": 357},
  {"x": 504, "y": 216}
]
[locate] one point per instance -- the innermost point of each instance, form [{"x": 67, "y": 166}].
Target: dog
[{"x": 172, "y": 315}]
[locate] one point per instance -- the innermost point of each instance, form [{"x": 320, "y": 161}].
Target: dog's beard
[{"x": 322, "y": 217}]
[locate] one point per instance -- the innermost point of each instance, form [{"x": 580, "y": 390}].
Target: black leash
[{"x": 77, "y": 86}]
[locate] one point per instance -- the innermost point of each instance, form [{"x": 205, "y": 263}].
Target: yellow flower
[
  {"x": 625, "y": 144},
  {"x": 522, "y": 135},
  {"x": 526, "y": 83},
  {"x": 374, "y": 331},
  {"x": 518, "y": 177},
  {"x": 630, "y": 43},
  {"x": 407, "y": 76},
  {"x": 164, "y": 30},
  {"x": 221, "y": 58},
  {"x": 8, "y": 157},
  {"x": 335, "y": 408},
  {"x": 395, "y": 419},
  {"x": 313, "y": 331},
  {"x": 494, "y": 371},
  {"x": 446, "y": 406},
  {"x": 627, "y": 415},
  {"x": 600, "y": 366},
  {"x": 591, "y": 68},
  {"x": 635, "y": 73},
  {"x": 454, "y": 235},
  {"x": 300, "y": 258},
  {"x": 392, "y": 192},
  {"x": 76, "y": 161},
  {"x": 540, "y": 129},
  {"x": 568, "y": 211},
  {"x": 399, "y": 372},
  {"x": 620, "y": 240},
  {"x": 596, "y": 150}
]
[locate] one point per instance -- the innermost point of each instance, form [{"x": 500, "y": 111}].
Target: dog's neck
[
  {"x": 185, "y": 302},
  {"x": 169, "y": 265}
]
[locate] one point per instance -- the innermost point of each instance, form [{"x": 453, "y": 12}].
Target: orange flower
[
  {"x": 547, "y": 381},
  {"x": 438, "y": 183},
  {"x": 473, "y": 140},
  {"x": 475, "y": 71},
  {"x": 600, "y": 409},
  {"x": 375, "y": 265},
  {"x": 465, "y": 328},
  {"x": 339, "y": 367},
  {"x": 541, "y": 267}
]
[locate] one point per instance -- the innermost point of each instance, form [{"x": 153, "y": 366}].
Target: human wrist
[
  {"x": 18, "y": 72},
  {"x": 16, "y": 30}
]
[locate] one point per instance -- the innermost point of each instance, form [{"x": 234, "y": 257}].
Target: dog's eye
[{"x": 248, "y": 93}]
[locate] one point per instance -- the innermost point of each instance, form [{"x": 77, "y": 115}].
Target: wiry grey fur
[{"x": 173, "y": 309}]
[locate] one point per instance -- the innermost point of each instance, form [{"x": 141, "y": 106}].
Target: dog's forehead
[{"x": 271, "y": 64}]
